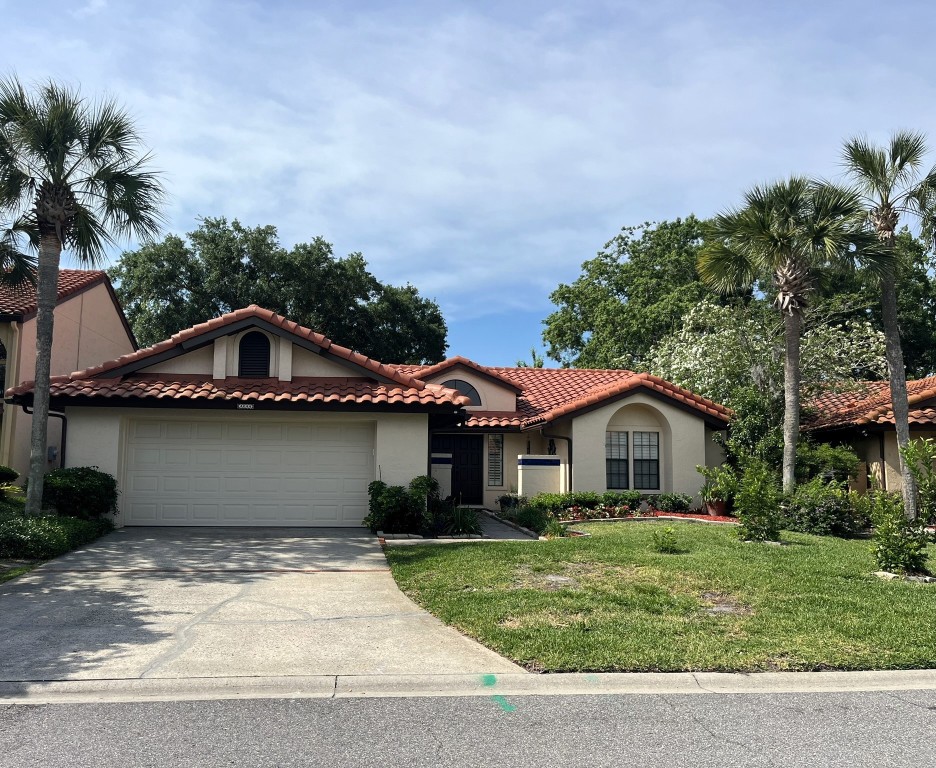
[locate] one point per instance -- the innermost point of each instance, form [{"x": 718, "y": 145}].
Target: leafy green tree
[
  {"x": 536, "y": 360},
  {"x": 788, "y": 230},
  {"x": 176, "y": 283},
  {"x": 632, "y": 294},
  {"x": 893, "y": 183},
  {"x": 74, "y": 175},
  {"x": 855, "y": 294}
]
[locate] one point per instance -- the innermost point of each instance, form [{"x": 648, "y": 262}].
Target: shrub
[
  {"x": 554, "y": 529},
  {"x": 461, "y": 521},
  {"x": 757, "y": 503},
  {"x": 829, "y": 462},
  {"x": 665, "y": 541},
  {"x": 533, "y": 517},
  {"x": 899, "y": 544},
  {"x": 826, "y": 509},
  {"x": 673, "y": 502},
  {"x": 395, "y": 509},
  {"x": 82, "y": 492},
  {"x": 920, "y": 456},
  {"x": 7, "y": 475},
  {"x": 39, "y": 538},
  {"x": 553, "y": 502},
  {"x": 586, "y": 499},
  {"x": 621, "y": 499}
]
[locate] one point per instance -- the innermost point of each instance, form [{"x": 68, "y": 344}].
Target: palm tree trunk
[
  {"x": 792, "y": 329},
  {"x": 50, "y": 250},
  {"x": 898, "y": 387}
]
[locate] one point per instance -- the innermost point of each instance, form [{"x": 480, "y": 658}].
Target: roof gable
[
  {"x": 233, "y": 322},
  {"x": 451, "y": 365}
]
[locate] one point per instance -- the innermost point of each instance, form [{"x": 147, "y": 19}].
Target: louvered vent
[{"x": 254, "y": 356}]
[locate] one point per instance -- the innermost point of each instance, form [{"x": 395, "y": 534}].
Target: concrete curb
[{"x": 513, "y": 684}]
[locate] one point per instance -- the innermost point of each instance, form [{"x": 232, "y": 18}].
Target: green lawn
[{"x": 612, "y": 603}]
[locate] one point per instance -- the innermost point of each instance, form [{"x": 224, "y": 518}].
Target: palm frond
[
  {"x": 77, "y": 165},
  {"x": 905, "y": 155},
  {"x": 868, "y": 167}
]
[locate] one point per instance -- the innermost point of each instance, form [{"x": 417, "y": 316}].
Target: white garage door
[{"x": 241, "y": 473}]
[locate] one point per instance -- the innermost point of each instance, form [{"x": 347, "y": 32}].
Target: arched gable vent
[
  {"x": 465, "y": 388},
  {"x": 254, "y": 356}
]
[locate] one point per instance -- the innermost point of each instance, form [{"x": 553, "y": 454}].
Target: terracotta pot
[{"x": 716, "y": 508}]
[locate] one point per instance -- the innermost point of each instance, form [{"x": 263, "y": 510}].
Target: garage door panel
[
  {"x": 173, "y": 484},
  {"x": 218, "y": 473}
]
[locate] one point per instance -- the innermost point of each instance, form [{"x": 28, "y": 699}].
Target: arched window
[
  {"x": 465, "y": 388},
  {"x": 254, "y": 356}
]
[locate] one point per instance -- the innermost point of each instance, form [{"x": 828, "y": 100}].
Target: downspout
[
  {"x": 56, "y": 415},
  {"x": 569, "y": 441}
]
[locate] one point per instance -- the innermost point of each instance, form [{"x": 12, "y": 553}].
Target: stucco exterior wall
[
  {"x": 97, "y": 436},
  {"x": 198, "y": 362},
  {"x": 401, "y": 447},
  {"x": 88, "y": 330},
  {"x": 683, "y": 442},
  {"x": 306, "y": 363}
]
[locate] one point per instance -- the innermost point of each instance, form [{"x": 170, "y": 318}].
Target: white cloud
[{"x": 483, "y": 153}]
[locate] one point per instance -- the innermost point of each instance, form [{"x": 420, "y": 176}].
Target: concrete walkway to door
[{"x": 224, "y": 602}]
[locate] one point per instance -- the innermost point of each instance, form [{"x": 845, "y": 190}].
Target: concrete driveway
[{"x": 232, "y": 602}]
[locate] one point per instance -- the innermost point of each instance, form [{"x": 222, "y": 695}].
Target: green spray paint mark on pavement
[
  {"x": 488, "y": 680},
  {"x": 503, "y": 703}
]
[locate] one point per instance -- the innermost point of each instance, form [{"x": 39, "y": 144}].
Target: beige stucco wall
[
  {"x": 198, "y": 362},
  {"x": 97, "y": 436},
  {"x": 683, "y": 442},
  {"x": 306, "y": 363},
  {"x": 88, "y": 330},
  {"x": 494, "y": 397}
]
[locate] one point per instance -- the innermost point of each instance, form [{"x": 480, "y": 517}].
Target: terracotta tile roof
[
  {"x": 870, "y": 403},
  {"x": 154, "y": 386},
  {"x": 121, "y": 378},
  {"x": 549, "y": 393},
  {"x": 513, "y": 419},
  {"x": 21, "y": 300}
]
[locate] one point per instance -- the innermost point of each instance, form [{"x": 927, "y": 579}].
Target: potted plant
[{"x": 719, "y": 488}]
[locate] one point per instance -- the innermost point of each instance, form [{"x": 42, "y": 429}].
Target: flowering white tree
[{"x": 720, "y": 350}]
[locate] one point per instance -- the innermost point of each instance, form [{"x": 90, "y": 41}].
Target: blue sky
[{"x": 482, "y": 151}]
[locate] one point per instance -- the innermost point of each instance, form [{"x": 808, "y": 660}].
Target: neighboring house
[
  {"x": 89, "y": 327},
  {"x": 864, "y": 419},
  {"x": 250, "y": 419}
]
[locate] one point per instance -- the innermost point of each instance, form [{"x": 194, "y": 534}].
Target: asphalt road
[{"x": 842, "y": 729}]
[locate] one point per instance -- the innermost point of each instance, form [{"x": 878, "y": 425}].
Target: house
[
  {"x": 864, "y": 419},
  {"x": 251, "y": 419},
  {"x": 89, "y": 327}
]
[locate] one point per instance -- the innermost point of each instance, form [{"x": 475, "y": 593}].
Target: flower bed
[{"x": 607, "y": 512}]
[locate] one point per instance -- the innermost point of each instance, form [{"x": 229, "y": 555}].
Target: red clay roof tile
[
  {"x": 21, "y": 300},
  {"x": 192, "y": 387},
  {"x": 870, "y": 403},
  {"x": 550, "y": 393}
]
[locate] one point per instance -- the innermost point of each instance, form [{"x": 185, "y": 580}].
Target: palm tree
[
  {"x": 73, "y": 175},
  {"x": 788, "y": 230},
  {"x": 891, "y": 184}
]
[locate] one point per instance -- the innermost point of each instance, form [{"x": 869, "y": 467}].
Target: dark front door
[{"x": 468, "y": 469}]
